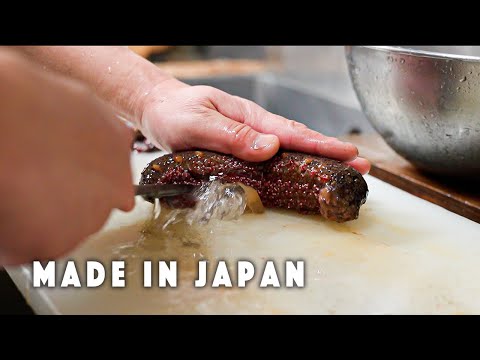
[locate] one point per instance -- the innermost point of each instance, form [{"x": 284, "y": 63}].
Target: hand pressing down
[{"x": 177, "y": 116}]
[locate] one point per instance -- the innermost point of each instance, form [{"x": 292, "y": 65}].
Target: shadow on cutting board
[{"x": 11, "y": 300}]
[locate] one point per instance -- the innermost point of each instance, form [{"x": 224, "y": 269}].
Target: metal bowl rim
[{"x": 422, "y": 53}]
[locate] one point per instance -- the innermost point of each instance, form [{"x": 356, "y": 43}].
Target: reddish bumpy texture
[{"x": 306, "y": 183}]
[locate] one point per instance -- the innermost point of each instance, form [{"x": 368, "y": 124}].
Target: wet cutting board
[
  {"x": 403, "y": 255},
  {"x": 455, "y": 195}
]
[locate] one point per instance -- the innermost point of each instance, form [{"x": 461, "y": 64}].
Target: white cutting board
[{"x": 403, "y": 255}]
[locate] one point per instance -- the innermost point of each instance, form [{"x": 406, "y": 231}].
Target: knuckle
[
  {"x": 252, "y": 113},
  {"x": 247, "y": 108},
  {"x": 207, "y": 96},
  {"x": 294, "y": 130},
  {"x": 241, "y": 133},
  {"x": 199, "y": 104},
  {"x": 92, "y": 222},
  {"x": 129, "y": 202},
  {"x": 206, "y": 90},
  {"x": 295, "y": 125},
  {"x": 203, "y": 109}
]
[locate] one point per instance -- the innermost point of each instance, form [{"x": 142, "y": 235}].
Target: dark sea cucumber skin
[{"x": 290, "y": 180}]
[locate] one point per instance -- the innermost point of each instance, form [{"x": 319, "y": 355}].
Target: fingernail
[
  {"x": 356, "y": 150},
  {"x": 263, "y": 141}
]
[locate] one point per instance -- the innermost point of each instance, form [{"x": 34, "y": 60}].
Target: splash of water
[
  {"x": 184, "y": 234},
  {"x": 215, "y": 201}
]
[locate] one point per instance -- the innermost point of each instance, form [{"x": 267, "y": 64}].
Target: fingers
[
  {"x": 128, "y": 199},
  {"x": 296, "y": 136},
  {"x": 310, "y": 141},
  {"x": 129, "y": 132},
  {"x": 361, "y": 165},
  {"x": 119, "y": 175},
  {"x": 121, "y": 187},
  {"x": 219, "y": 133},
  {"x": 292, "y": 135}
]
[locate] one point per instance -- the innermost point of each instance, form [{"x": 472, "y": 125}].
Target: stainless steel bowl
[{"x": 425, "y": 105}]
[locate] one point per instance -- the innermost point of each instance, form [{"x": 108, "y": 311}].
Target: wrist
[
  {"x": 158, "y": 94},
  {"x": 135, "y": 80}
]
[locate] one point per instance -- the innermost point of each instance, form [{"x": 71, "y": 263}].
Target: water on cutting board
[{"x": 404, "y": 257}]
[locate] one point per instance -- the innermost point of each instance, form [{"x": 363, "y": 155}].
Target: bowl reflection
[{"x": 425, "y": 105}]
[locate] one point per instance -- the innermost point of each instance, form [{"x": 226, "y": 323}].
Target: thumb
[{"x": 219, "y": 133}]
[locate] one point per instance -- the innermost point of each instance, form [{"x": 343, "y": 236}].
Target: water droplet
[
  {"x": 458, "y": 88},
  {"x": 402, "y": 61},
  {"x": 463, "y": 79},
  {"x": 109, "y": 70},
  {"x": 421, "y": 103},
  {"x": 424, "y": 117}
]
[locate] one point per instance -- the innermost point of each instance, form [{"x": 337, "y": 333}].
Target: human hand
[
  {"x": 177, "y": 116},
  {"x": 64, "y": 159}
]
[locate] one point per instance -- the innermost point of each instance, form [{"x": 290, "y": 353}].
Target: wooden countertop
[
  {"x": 215, "y": 67},
  {"x": 453, "y": 194}
]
